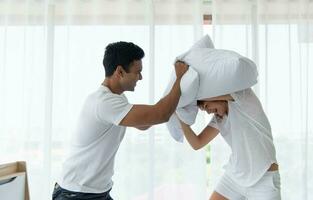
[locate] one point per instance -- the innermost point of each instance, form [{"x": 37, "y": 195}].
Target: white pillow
[
  {"x": 188, "y": 115},
  {"x": 189, "y": 86},
  {"x": 187, "y": 106},
  {"x": 221, "y": 71},
  {"x": 212, "y": 72},
  {"x": 204, "y": 42},
  {"x": 190, "y": 81}
]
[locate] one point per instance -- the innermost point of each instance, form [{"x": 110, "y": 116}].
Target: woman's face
[{"x": 219, "y": 108}]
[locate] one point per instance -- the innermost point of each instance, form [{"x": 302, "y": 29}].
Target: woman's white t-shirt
[
  {"x": 89, "y": 166},
  {"x": 247, "y": 131}
]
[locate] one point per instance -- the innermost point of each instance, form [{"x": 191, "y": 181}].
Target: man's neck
[{"x": 112, "y": 85}]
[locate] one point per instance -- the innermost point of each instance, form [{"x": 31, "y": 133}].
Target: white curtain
[
  {"x": 278, "y": 36},
  {"x": 51, "y": 59}
]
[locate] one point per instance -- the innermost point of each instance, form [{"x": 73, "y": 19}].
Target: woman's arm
[{"x": 199, "y": 141}]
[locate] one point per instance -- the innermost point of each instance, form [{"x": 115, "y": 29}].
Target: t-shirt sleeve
[
  {"x": 113, "y": 108},
  {"x": 213, "y": 123},
  {"x": 248, "y": 102}
]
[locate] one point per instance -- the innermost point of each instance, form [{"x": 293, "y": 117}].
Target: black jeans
[{"x": 63, "y": 194}]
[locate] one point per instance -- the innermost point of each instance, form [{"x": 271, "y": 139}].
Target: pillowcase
[
  {"x": 187, "y": 114},
  {"x": 190, "y": 81},
  {"x": 204, "y": 42},
  {"x": 212, "y": 72},
  {"x": 221, "y": 71},
  {"x": 189, "y": 86}
]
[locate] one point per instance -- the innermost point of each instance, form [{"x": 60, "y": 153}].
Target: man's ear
[{"x": 119, "y": 71}]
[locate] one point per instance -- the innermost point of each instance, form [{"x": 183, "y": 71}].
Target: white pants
[{"x": 267, "y": 188}]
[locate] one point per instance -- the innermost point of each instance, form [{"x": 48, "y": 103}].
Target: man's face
[
  {"x": 130, "y": 79},
  {"x": 219, "y": 108}
]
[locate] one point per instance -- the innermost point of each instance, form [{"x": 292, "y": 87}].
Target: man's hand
[{"x": 180, "y": 68}]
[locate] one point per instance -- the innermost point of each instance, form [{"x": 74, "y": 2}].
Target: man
[{"x": 87, "y": 172}]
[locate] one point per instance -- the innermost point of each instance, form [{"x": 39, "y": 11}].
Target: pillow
[
  {"x": 188, "y": 115},
  {"x": 212, "y": 72},
  {"x": 189, "y": 86},
  {"x": 221, "y": 71},
  {"x": 187, "y": 106},
  {"x": 190, "y": 81},
  {"x": 204, "y": 42}
]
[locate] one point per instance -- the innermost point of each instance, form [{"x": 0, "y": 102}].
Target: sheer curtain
[
  {"x": 50, "y": 60},
  {"x": 278, "y": 36}
]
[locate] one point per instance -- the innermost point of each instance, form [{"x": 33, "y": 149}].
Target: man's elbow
[
  {"x": 161, "y": 117},
  {"x": 165, "y": 117},
  {"x": 163, "y": 111},
  {"x": 196, "y": 147},
  {"x": 143, "y": 128}
]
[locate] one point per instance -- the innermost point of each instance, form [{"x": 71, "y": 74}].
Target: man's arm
[
  {"x": 147, "y": 115},
  {"x": 199, "y": 141}
]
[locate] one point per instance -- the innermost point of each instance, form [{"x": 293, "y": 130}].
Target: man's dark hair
[{"x": 120, "y": 53}]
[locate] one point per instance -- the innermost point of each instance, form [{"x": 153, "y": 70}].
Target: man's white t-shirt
[
  {"x": 247, "y": 131},
  {"x": 89, "y": 166}
]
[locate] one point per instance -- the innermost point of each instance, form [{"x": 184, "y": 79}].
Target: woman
[{"x": 252, "y": 171}]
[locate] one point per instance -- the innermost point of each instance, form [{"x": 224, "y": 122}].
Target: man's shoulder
[
  {"x": 104, "y": 94},
  {"x": 105, "y": 99}
]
